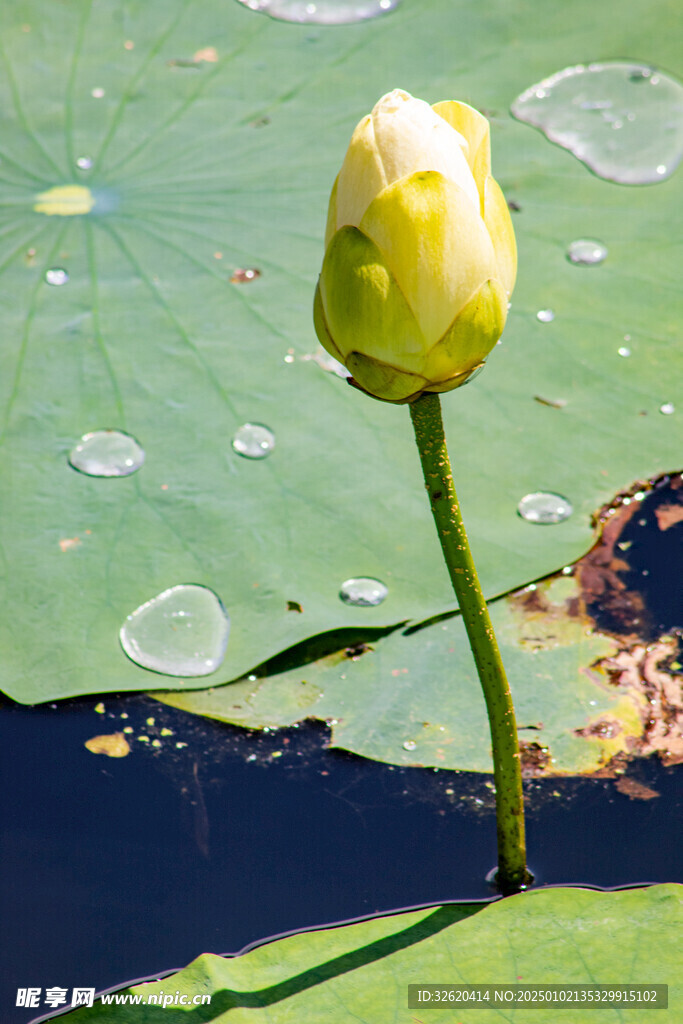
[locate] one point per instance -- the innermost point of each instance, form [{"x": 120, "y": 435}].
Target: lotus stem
[{"x": 512, "y": 875}]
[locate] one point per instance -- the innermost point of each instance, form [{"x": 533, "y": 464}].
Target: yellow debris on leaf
[
  {"x": 113, "y": 745},
  {"x": 65, "y": 201}
]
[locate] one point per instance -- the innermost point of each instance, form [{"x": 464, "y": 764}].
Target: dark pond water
[{"x": 116, "y": 869}]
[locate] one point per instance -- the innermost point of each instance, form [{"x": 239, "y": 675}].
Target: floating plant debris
[
  {"x": 631, "y": 579},
  {"x": 363, "y": 591},
  {"x": 56, "y": 276},
  {"x": 242, "y": 275},
  {"x": 624, "y": 120},
  {"x": 113, "y": 745},
  {"x": 322, "y": 12},
  {"x": 544, "y": 507},
  {"x": 253, "y": 441},
  {"x": 107, "y": 453},
  {"x": 586, "y": 252},
  {"x": 181, "y": 632}
]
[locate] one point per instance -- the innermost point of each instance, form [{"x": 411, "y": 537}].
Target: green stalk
[{"x": 512, "y": 874}]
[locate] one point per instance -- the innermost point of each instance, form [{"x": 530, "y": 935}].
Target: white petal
[{"x": 410, "y": 137}]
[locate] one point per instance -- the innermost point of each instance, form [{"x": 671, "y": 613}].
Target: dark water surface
[{"x": 114, "y": 869}]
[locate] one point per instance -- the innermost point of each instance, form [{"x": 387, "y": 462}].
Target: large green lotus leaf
[
  {"x": 361, "y": 972},
  {"x": 416, "y": 698},
  {"x": 203, "y": 164}
]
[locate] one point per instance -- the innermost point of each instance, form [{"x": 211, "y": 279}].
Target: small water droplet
[
  {"x": 624, "y": 352},
  {"x": 243, "y": 275},
  {"x": 328, "y": 363},
  {"x": 322, "y": 12},
  {"x": 97, "y": 93},
  {"x": 84, "y": 162},
  {"x": 544, "y": 507},
  {"x": 546, "y": 316},
  {"x": 107, "y": 453},
  {"x": 409, "y": 745},
  {"x": 667, "y": 409},
  {"x": 586, "y": 252},
  {"x": 181, "y": 632},
  {"x": 580, "y": 107},
  {"x": 253, "y": 441},
  {"x": 56, "y": 276},
  {"x": 363, "y": 591}
]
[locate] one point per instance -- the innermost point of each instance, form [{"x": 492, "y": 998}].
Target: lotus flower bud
[{"x": 420, "y": 256}]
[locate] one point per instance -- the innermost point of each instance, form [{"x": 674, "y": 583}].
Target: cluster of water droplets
[
  {"x": 623, "y": 119},
  {"x": 322, "y": 12},
  {"x": 181, "y": 632}
]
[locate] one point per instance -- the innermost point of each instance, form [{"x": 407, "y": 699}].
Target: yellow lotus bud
[{"x": 420, "y": 255}]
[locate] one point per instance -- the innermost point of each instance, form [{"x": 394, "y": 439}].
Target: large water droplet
[
  {"x": 409, "y": 745},
  {"x": 253, "y": 441},
  {"x": 84, "y": 163},
  {"x": 56, "y": 276},
  {"x": 586, "y": 252},
  {"x": 107, "y": 453},
  {"x": 622, "y": 119},
  {"x": 363, "y": 591},
  {"x": 322, "y": 12},
  {"x": 544, "y": 507},
  {"x": 181, "y": 632},
  {"x": 624, "y": 352},
  {"x": 546, "y": 316},
  {"x": 667, "y": 409}
]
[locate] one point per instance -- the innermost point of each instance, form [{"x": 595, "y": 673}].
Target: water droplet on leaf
[
  {"x": 322, "y": 12},
  {"x": 409, "y": 745},
  {"x": 84, "y": 162},
  {"x": 580, "y": 107},
  {"x": 586, "y": 252},
  {"x": 363, "y": 591},
  {"x": 107, "y": 453},
  {"x": 624, "y": 352},
  {"x": 181, "y": 632},
  {"x": 253, "y": 441},
  {"x": 56, "y": 276},
  {"x": 544, "y": 507},
  {"x": 667, "y": 409},
  {"x": 546, "y": 316}
]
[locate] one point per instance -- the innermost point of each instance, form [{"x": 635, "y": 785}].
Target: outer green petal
[
  {"x": 436, "y": 244},
  {"x": 361, "y": 176},
  {"x": 321, "y": 328},
  {"x": 331, "y": 225},
  {"x": 475, "y": 128},
  {"x": 471, "y": 336},
  {"x": 382, "y": 380},
  {"x": 364, "y": 308},
  {"x": 499, "y": 223}
]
